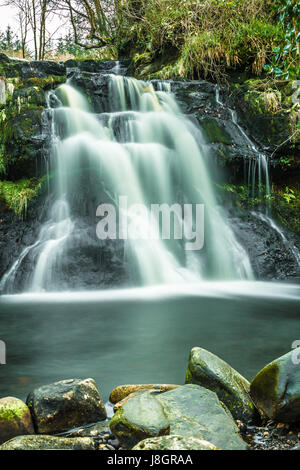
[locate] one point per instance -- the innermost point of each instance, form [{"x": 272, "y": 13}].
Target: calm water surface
[{"x": 143, "y": 335}]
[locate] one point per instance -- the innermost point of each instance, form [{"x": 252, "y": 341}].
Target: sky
[{"x": 8, "y": 16}]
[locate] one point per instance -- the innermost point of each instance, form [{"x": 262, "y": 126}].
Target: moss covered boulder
[
  {"x": 49, "y": 443},
  {"x": 196, "y": 412},
  {"x": 174, "y": 443},
  {"x": 15, "y": 419},
  {"x": 276, "y": 389},
  {"x": 64, "y": 405},
  {"x": 209, "y": 371},
  {"x": 139, "y": 418}
]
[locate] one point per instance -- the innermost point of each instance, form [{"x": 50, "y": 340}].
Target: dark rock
[
  {"x": 275, "y": 390},
  {"x": 64, "y": 405}
]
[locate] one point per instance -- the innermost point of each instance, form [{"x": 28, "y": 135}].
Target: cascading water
[
  {"x": 258, "y": 179},
  {"x": 145, "y": 150}
]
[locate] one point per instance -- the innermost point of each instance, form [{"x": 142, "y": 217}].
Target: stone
[
  {"x": 64, "y": 405},
  {"x": 195, "y": 411},
  {"x": 15, "y": 419},
  {"x": 139, "y": 418},
  {"x": 174, "y": 443},
  {"x": 49, "y": 443},
  {"x": 119, "y": 404},
  {"x": 95, "y": 430},
  {"x": 122, "y": 391},
  {"x": 209, "y": 371},
  {"x": 275, "y": 390}
]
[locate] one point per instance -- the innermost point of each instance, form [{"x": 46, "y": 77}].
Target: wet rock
[
  {"x": 64, "y": 405},
  {"x": 119, "y": 404},
  {"x": 100, "y": 429},
  {"x": 49, "y": 443},
  {"x": 141, "y": 417},
  {"x": 194, "y": 411},
  {"x": 275, "y": 390},
  {"x": 15, "y": 419},
  {"x": 122, "y": 391},
  {"x": 174, "y": 443},
  {"x": 209, "y": 371}
]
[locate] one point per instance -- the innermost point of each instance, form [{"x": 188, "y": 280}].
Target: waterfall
[
  {"x": 258, "y": 170},
  {"x": 143, "y": 150}
]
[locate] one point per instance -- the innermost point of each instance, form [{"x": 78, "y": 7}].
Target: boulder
[
  {"x": 15, "y": 419},
  {"x": 64, "y": 405},
  {"x": 174, "y": 443},
  {"x": 209, "y": 371},
  {"x": 194, "y": 411},
  {"x": 275, "y": 390},
  {"x": 119, "y": 404},
  {"x": 49, "y": 443},
  {"x": 122, "y": 391},
  {"x": 139, "y": 418}
]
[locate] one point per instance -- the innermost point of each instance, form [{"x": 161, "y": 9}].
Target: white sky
[{"x": 8, "y": 17}]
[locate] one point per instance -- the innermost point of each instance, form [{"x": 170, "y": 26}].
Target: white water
[
  {"x": 146, "y": 150},
  {"x": 277, "y": 229},
  {"x": 258, "y": 171}
]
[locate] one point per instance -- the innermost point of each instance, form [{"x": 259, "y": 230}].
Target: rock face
[
  {"x": 141, "y": 417},
  {"x": 174, "y": 443},
  {"x": 190, "y": 411},
  {"x": 49, "y": 443},
  {"x": 15, "y": 419},
  {"x": 64, "y": 405},
  {"x": 208, "y": 370},
  {"x": 122, "y": 391},
  {"x": 275, "y": 390}
]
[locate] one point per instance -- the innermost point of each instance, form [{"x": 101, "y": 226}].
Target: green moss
[
  {"x": 16, "y": 195},
  {"x": 12, "y": 409}
]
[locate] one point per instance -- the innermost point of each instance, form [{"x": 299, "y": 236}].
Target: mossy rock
[
  {"x": 269, "y": 110},
  {"x": 139, "y": 418},
  {"x": 49, "y": 443},
  {"x": 209, "y": 371},
  {"x": 276, "y": 389},
  {"x": 15, "y": 419}
]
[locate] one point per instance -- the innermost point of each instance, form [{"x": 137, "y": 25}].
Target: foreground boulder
[
  {"x": 275, "y": 390},
  {"x": 190, "y": 411},
  {"x": 174, "y": 443},
  {"x": 15, "y": 419},
  {"x": 209, "y": 371},
  {"x": 139, "y": 418},
  {"x": 49, "y": 443},
  {"x": 194, "y": 411},
  {"x": 64, "y": 405},
  {"x": 122, "y": 391}
]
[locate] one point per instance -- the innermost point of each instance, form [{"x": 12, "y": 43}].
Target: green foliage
[
  {"x": 284, "y": 61},
  {"x": 209, "y": 36},
  {"x": 289, "y": 194},
  {"x": 16, "y": 195}
]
